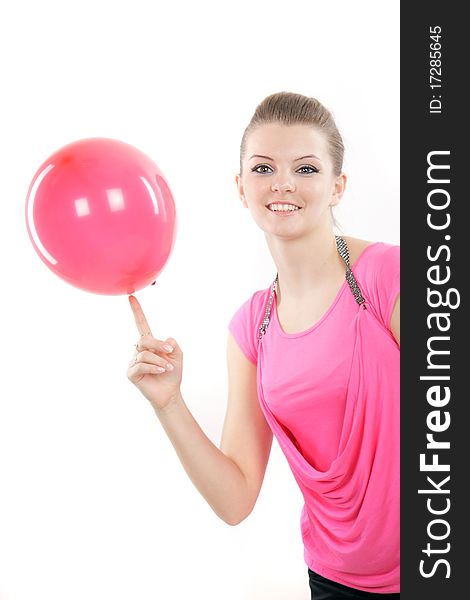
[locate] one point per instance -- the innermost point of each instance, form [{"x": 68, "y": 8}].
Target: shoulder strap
[
  {"x": 343, "y": 251},
  {"x": 267, "y": 312},
  {"x": 353, "y": 285}
]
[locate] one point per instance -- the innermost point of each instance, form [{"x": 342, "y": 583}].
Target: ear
[
  {"x": 339, "y": 187},
  {"x": 241, "y": 192}
]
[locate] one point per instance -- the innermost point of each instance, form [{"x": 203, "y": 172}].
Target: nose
[{"x": 282, "y": 186}]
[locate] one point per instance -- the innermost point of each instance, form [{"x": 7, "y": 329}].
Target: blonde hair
[{"x": 289, "y": 109}]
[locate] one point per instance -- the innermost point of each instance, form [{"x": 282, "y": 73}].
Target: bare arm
[
  {"x": 229, "y": 477},
  {"x": 246, "y": 436},
  {"x": 216, "y": 476}
]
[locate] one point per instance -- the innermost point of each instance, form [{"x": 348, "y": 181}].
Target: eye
[
  {"x": 312, "y": 169},
  {"x": 255, "y": 169},
  {"x": 304, "y": 170}
]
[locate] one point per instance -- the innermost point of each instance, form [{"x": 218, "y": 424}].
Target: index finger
[{"x": 140, "y": 320}]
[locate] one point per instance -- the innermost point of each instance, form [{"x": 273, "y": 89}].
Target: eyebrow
[{"x": 300, "y": 158}]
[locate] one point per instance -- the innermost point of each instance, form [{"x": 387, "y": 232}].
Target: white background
[{"x": 93, "y": 501}]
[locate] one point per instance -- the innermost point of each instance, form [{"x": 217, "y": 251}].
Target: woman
[{"x": 314, "y": 359}]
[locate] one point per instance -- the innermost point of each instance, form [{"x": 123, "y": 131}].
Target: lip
[
  {"x": 280, "y": 202},
  {"x": 283, "y": 213}
]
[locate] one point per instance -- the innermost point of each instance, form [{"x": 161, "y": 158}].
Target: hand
[{"x": 155, "y": 370}]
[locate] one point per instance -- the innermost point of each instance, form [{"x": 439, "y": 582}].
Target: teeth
[{"x": 283, "y": 207}]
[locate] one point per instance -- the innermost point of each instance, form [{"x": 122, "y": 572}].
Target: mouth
[{"x": 283, "y": 208}]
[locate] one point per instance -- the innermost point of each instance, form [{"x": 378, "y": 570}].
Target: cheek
[
  {"x": 255, "y": 189},
  {"x": 317, "y": 190}
]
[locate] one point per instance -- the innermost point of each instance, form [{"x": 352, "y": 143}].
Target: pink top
[{"x": 331, "y": 396}]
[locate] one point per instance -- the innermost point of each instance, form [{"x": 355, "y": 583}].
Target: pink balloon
[{"x": 101, "y": 216}]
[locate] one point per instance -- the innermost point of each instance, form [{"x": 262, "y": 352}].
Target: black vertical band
[{"x": 435, "y": 430}]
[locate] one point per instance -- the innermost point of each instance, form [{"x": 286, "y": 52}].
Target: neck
[{"x": 305, "y": 264}]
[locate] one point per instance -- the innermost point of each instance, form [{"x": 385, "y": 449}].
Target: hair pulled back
[{"x": 290, "y": 109}]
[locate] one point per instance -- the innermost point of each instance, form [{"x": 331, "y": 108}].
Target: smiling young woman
[
  {"x": 313, "y": 359},
  {"x": 328, "y": 366}
]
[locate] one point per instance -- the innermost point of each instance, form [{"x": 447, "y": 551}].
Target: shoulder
[
  {"x": 356, "y": 246},
  {"x": 246, "y": 321},
  {"x": 377, "y": 270},
  {"x": 369, "y": 254},
  {"x": 252, "y": 305}
]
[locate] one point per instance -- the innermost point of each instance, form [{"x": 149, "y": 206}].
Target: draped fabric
[{"x": 350, "y": 519}]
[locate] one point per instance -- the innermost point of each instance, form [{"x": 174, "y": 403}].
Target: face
[{"x": 289, "y": 165}]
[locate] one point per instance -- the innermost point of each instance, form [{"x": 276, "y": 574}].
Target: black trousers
[{"x": 325, "y": 589}]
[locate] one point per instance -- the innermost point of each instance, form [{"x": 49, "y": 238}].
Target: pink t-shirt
[{"x": 331, "y": 396}]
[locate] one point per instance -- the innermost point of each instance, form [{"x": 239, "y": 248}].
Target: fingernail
[
  {"x": 168, "y": 348},
  {"x": 169, "y": 367}
]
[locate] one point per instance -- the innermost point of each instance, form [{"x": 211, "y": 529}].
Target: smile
[{"x": 283, "y": 209}]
